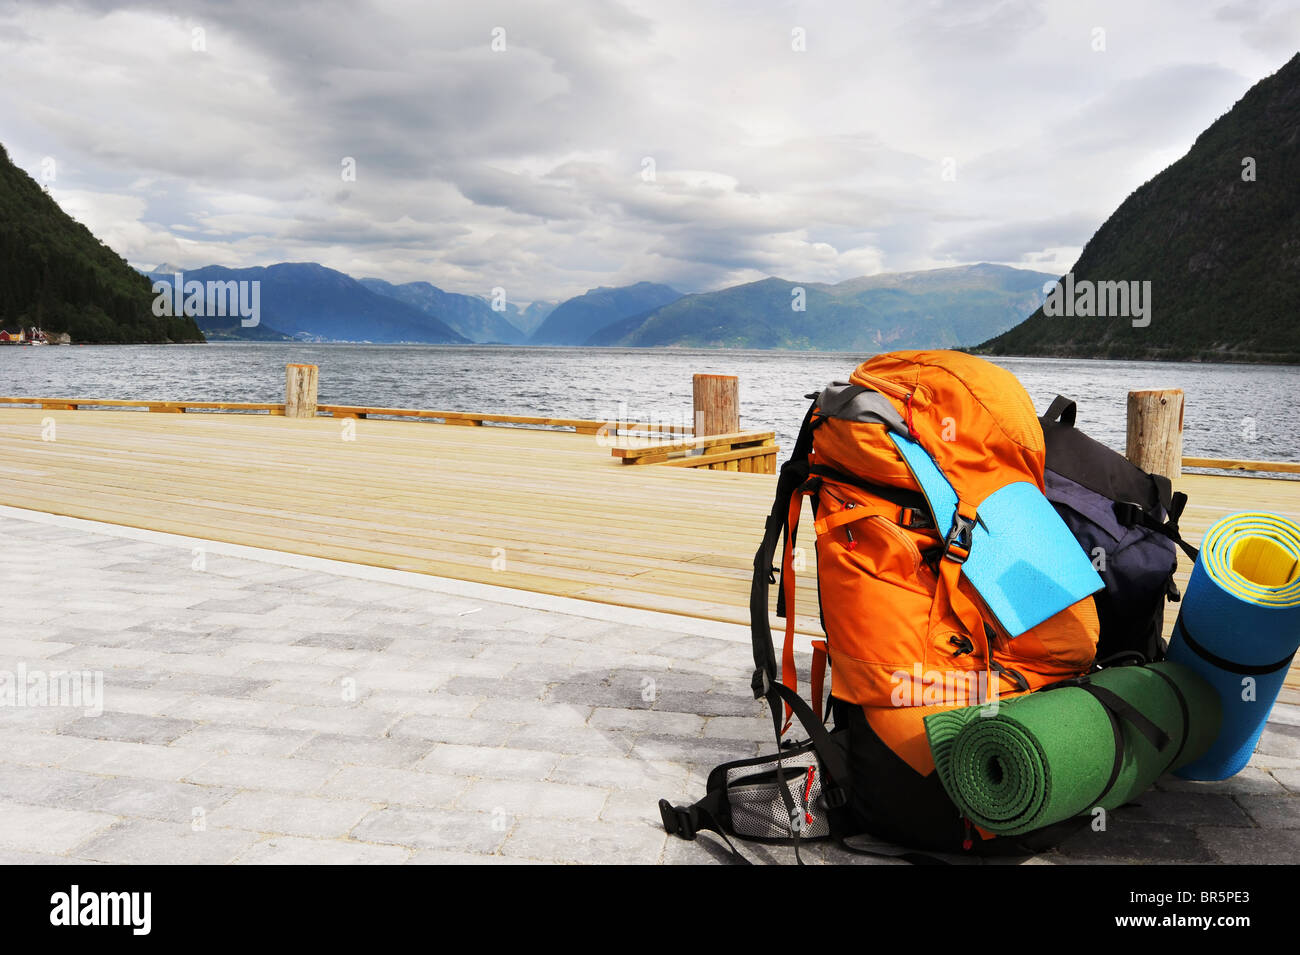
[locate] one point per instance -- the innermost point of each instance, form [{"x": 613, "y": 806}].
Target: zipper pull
[
  {"x": 807, "y": 792},
  {"x": 967, "y": 842}
]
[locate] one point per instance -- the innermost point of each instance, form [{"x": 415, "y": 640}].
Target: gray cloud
[{"x": 524, "y": 167}]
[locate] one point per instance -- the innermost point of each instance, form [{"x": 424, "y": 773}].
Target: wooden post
[
  {"x": 300, "y": 383},
  {"x": 1155, "y": 431},
  {"x": 717, "y": 405}
]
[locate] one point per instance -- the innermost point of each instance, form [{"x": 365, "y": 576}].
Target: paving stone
[
  {"x": 151, "y": 799},
  {"x": 311, "y": 694},
  {"x": 217, "y": 738},
  {"x": 110, "y": 757},
  {"x": 598, "y": 842},
  {"x": 620, "y": 773},
  {"x": 708, "y": 704},
  {"x": 222, "y": 709},
  {"x": 676, "y": 749},
  {"x": 129, "y": 727},
  {"x": 571, "y": 740},
  {"x": 1272, "y": 812},
  {"x": 1252, "y": 846},
  {"x": 345, "y": 641},
  {"x": 149, "y": 842},
  {"x": 345, "y": 720},
  {"x": 451, "y": 857},
  {"x": 292, "y": 814},
  {"x": 38, "y": 749},
  {"x": 1249, "y": 780},
  {"x": 1290, "y": 778},
  {"x": 528, "y": 711},
  {"x": 364, "y": 750},
  {"x": 420, "y": 704},
  {"x": 1279, "y": 739},
  {"x": 293, "y": 850},
  {"x": 145, "y": 702},
  {"x": 1137, "y": 841},
  {"x": 524, "y": 798},
  {"x": 44, "y": 785},
  {"x": 495, "y": 689},
  {"x": 490, "y": 762},
  {"x": 438, "y": 729},
  {"x": 639, "y": 806},
  {"x": 433, "y": 829},
  {"x": 212, "y": 684},
  {"x": 272, "y": 671},
  {"x": 618, "y": 697},
  {"x": 403, "y": 787},
  {"x": 1184, "y": 808},
  {"x": 48, "y": 830},
  {"x": 647, "y": 721},
  {"x": 739, "y": 728},
  {"x": 272, "y": 773}
]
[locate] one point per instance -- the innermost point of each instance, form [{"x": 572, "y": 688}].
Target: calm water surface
[{"x": 1233, "y": 411}]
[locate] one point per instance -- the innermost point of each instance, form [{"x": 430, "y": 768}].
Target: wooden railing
[
  {"x": 1278, "y": 467},
  {"x": 753, "y": 452},
  {"x": 580, "y": 425},
  {"x": 172, "y": 407}
]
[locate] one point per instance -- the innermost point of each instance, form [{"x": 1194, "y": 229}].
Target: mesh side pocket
[{"x": 757, "y": 807}]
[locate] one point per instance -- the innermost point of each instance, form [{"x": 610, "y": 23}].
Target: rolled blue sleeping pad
[{"x": 1239, "y": 628}]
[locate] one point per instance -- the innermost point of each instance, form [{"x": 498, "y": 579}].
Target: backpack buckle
[
  {"x": 956, "y": 546},
  {"x": 834, "y": 797},
  {"x": 914, "y": 519},
  {"x": 1128, "y": 513},
  {"x": 678, "y": 821}
]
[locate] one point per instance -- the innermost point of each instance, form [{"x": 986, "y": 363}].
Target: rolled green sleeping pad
[{"x": 1038, "y": 759}]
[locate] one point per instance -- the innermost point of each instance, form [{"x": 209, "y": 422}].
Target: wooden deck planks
[{"x": 569, "y": 519}]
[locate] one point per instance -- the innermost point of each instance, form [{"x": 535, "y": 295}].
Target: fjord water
[{"x": 1232, "y": 411}]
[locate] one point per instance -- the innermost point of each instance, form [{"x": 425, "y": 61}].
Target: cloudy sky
[{"x": 601, "y": 142}]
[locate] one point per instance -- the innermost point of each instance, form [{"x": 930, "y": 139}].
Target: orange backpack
[{"x": 907, "y": 632}]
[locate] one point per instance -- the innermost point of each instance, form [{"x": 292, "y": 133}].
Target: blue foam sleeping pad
[
  {"x": 1239, "y": 628},
  {"x": 1023, "y": 560}
]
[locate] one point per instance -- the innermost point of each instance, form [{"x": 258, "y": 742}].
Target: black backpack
[{"x": 1127, "y": 521}]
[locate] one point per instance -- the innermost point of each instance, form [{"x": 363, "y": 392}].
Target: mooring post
[
  {"x": 717, "y": 404},
  {"x": 1155, "y": 431},
  {"x": 300, "y": 384}
]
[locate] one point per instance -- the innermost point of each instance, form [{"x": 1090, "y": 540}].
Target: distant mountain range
[
  {"x": 54, "y": 274},
  {"x": 470, "y": 317},
  {"x": 1217, "y": 236},
  {"x": 309, "y": 302},
  {"x": 940, "y": 308},
  {"x": 952, "y": 307},
  {"x": 574, "y": 322}
]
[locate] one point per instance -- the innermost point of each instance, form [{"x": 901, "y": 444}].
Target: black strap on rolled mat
[
  {"x": 1117, "y": 708},
  {"x": 1245, "y": 669},
  {"x": 1183, "y": 708}
]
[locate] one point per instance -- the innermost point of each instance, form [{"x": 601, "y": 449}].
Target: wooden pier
[{"x": 540, "y": 510}]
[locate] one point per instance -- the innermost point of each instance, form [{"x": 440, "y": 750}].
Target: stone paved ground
[{"x": 259, "y": 712}]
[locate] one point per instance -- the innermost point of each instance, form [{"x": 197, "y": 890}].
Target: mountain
[
  {"x": 528, "y": 319},
  {"x": 947, "y": 308},
  {"x": 56, "y": 275},
  {"x": 469, "y": 316},
  {"x": 1222, "y": 253},
  {"x": 310, "y": 302},
  {"x": 575, "y": 321}
]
